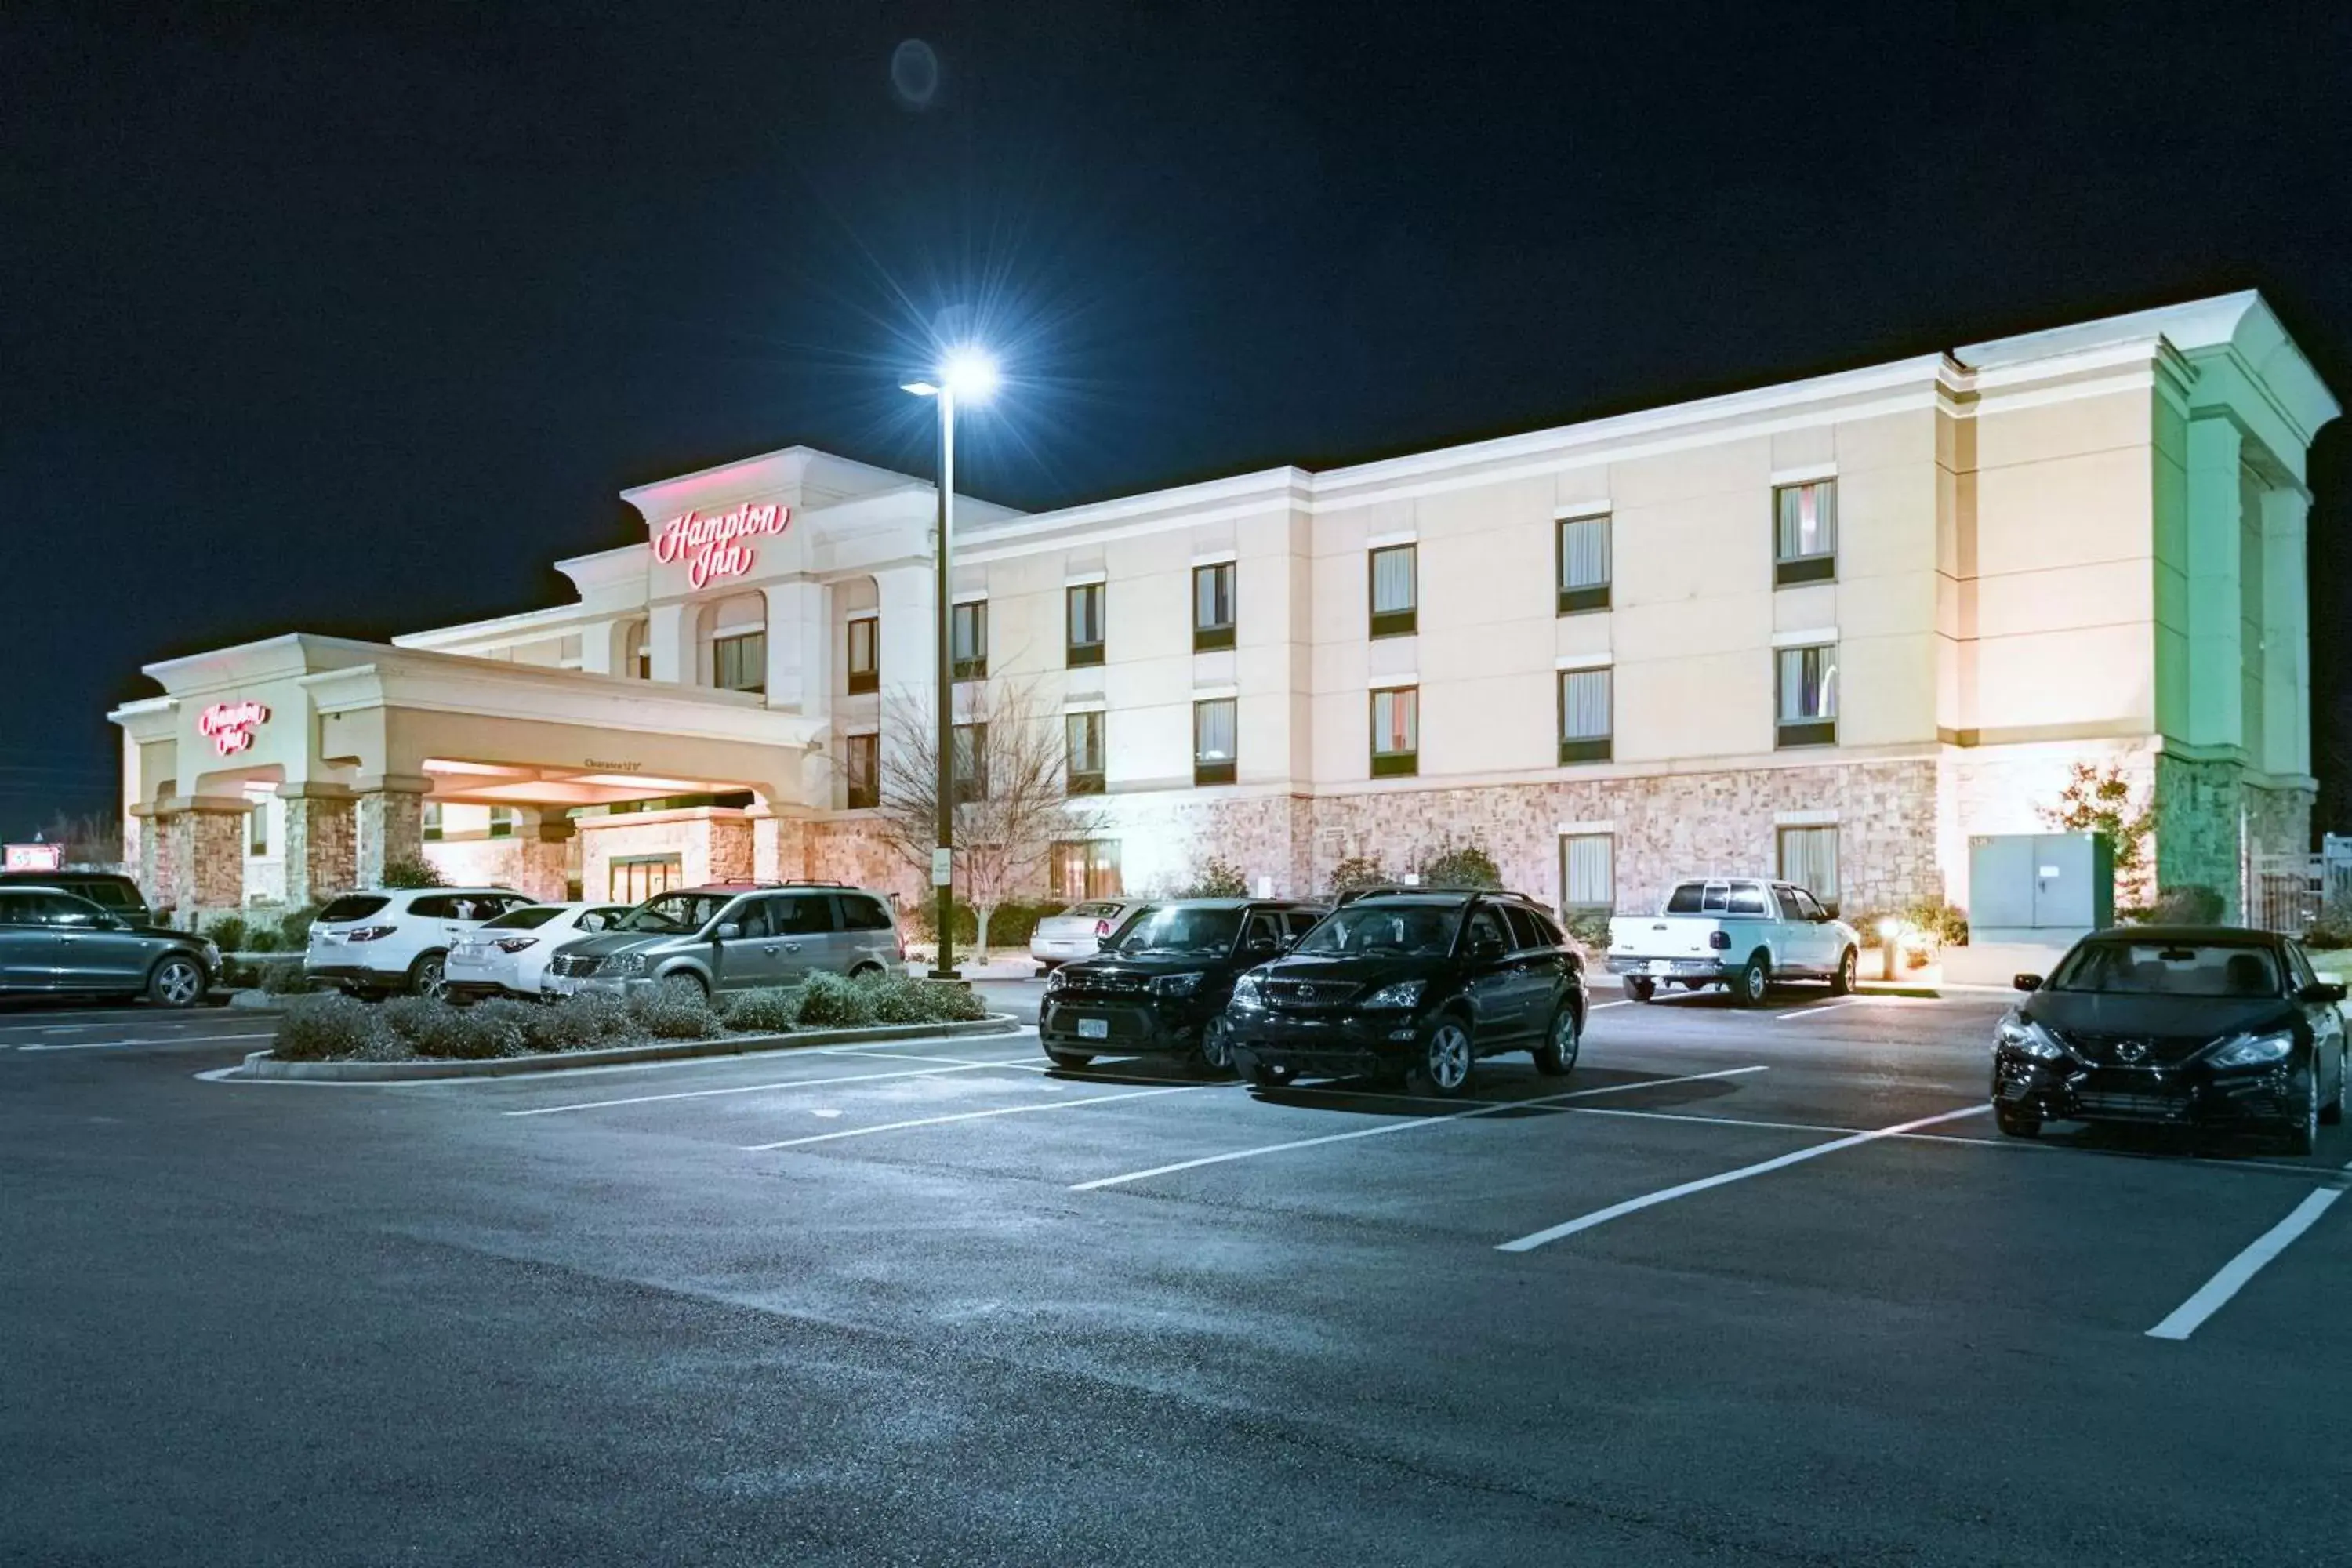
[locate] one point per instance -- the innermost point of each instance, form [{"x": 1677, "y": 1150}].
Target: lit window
[
  {"x": 968, "y": 638},
  {"x": 1085, "y": 868},
  {"x": 1086, "y": 752},
  {"x": 502, "y": 821},
  {"x": 1588, "y": 872},
  {"x": 862, "y": 761},
  {"x": 634, "y": 879},
  {"x": 1212, "y": 607},
  {"x": 1085, "y": 625},
  {"x": 1396, "y": 591},
  {"x": 1213, "y": 759},
  {"x": 1586, "y": 704},
  {"x": 1396, "y": 732},
  {"x": 636, "y": 653},
  {"x": 257, "y": 828},
  {"x": 1806, "y": 697},
  {"x": 432, "y": 819},
  {"x": 971, "y": 762},
  {"x": 740, "y": 663},
  {"x": 1804, "y": 532},
  {"x": 1583, "y": 564},
  {"x": 1809, "y": 857},
  {"x": 865, "y": 655}
]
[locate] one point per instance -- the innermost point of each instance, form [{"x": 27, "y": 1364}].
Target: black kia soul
[
  {"x": 1418, "y": 984},
  {"x": 1161, "y": 983}
]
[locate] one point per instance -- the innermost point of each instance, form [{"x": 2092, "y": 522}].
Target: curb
[{"x": 263, "y": 1064}]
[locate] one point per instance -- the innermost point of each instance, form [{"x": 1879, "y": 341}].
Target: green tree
[
  {"x": 1215, "y": 878},
  {"x": 404, "y": 872},
  {"x": 1357, "y": 871},
  {"x": 2100, "y": 800},
  {"x": 1453, "y": 865}
]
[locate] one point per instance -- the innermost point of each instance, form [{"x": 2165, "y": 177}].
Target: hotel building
[{"x": 1830, "y": 629}]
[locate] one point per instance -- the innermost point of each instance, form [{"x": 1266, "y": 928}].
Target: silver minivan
[{"x": 735, "y": 937}]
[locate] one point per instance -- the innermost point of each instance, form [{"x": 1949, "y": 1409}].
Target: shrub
[
  {"x": 1589, "y": 928},
  {"x": 411, "y": 872},
  {"x": 503, "y": 1024},
  {"x": 761, "y": 1012},
  {"x": 580, "y": 1022},
  {"x": 286, "y": 979},
  {"x": 1357, "y": 871},
  {"x": 1009, "y": 925},
  {"x": 1938, "y": 922},
  {"x": 830, "y": 1002},
  {"x": 904, "y": 1001},
  {"x": 1460, "y": 865},
  {"x": 665, "y": 1013},
  {"x": 294, "y": 927},
  {"x": 326, "y": 1028},
  {"x": 263, "y": 939},
  {"x": 228, "y": 932},
  {"x": 1217, "y": 878}
]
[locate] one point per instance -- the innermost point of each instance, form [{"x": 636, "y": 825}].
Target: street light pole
[{"x": 943, "y": 856}]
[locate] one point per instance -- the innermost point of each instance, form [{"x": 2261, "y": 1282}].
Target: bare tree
[
  {"x": 1013, "y": 801},
  {"x": 91, "y": 839}
]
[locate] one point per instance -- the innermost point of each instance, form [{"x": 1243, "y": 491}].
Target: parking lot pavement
[
  {"x": 933, "y": 1301},
  {"x": 41, "y": 1027}
]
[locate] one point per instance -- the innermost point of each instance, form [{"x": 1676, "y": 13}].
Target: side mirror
[
  {"x": 1261, "y": 947},
  {"x": 2322, "y": 990},
  {"x": 2027, "y": 982},
  {"x": 728, "y": 931},
  {"x": 1102, "y": 944},
  {"x": 1286, "y": 943}
]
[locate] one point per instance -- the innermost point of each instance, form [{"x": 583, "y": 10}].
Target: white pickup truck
[{"x": 1741, "y": 933}]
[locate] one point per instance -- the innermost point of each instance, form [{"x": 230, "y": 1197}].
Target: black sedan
[
  {"x": 2178, "y": 1025},
  {"x": 1161, "y": 983}
]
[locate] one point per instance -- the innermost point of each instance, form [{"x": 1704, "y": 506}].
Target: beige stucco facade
[{"x": 2075, "y": 546}]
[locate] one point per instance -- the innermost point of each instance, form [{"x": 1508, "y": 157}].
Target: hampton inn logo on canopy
[{"x": 712, "y": 546}]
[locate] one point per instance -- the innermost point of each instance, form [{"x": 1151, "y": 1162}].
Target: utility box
[{"x": 2044, "y": 888}]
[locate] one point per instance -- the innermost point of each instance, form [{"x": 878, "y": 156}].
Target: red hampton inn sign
[
  {"x": 231, "y": 725},
  {"x": 715, "y": 546}
]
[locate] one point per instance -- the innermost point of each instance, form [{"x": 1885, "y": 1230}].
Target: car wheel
[
  {"x": 865, "y": 972},
  {"x": 2303, "y": 1131},
  {"x": 1640, "y": 990},
  {"x": 2333, "y": 1112},
  {"x": 1841, "y": 983},
  {"x": 1555, "y": 1058},
  {"x": 1076, "y": 1061},
  {"x": 1445, "y": 1056},
  {"x": 1267, "y": 1074},
  {"x": 2016, "y": 1124},
  {"x": 1753, "y": 982},
  {"x": 177, "y": 982},
  {"x": 1217, "y": 1047},
  {"x": 686, "y": 985},
  {"x": 427, "y": 977}
]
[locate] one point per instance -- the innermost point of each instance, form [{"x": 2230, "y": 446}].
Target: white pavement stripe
[
  {"x": 977, "y": 1115},
  {"x": 2185, "y": 1319},
  {"x": 748, "y": 1089},
  {"x": 1824, "y": 1007},
  {"x": 1624, "y": 1002},
  {"x": 159, "y": 1040},
  {"x": 1486, "y": 1110},
  {"x": 1634, "y": 1206}
]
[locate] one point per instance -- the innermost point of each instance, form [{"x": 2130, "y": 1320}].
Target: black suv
[
  {"x": 1160, "y": 986},
  {"x": 116, "y": 894},
  {"x": 1416, "y": 984}
]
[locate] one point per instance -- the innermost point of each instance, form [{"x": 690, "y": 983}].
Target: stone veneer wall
[
  {"x": 2210, "y": 819},
  {"x": 207, "y": 863},
  {"x": 853, "y": 849},
  {"x": 321, "y": 848},
  {"x": 389, "y": 826},
  {"x": 525, "y": 863},
  {"x": 713, "y": 844}
]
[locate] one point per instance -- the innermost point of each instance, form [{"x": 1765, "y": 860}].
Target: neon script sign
[
  {"x": 715, "y": 546},
  {"x": 231, "y": 725}
]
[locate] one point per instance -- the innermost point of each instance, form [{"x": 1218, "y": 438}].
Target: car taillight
[
  {"x": 369, "y": 934},
  {"x": 1102, "y": 928},
  {"x": 1719, "y": 939},
  {"x": 515, "y": 943}
]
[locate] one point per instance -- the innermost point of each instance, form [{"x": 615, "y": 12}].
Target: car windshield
[
  {"x": 1422, "y": 929},
  {"x": 2169, "y": 969},
  {"x": 1181, "y": 931},
  {"x": 530, "y": 917},
  {"x": 673, "y": 913}
]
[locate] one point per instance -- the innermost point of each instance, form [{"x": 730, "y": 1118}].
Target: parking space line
[
  {"x": 1620, "y": 1002},
  {"x": 977, "y": 1116},
  {"x": 1823, "y": 1007},
  {"x": 748, "y": 1089},
  {"x": 2214, "y": 1294},
  {"x": 1487, "y": 1109},
  {"x": 1634, "y": 1205},
  {"x": 159, "y": 1040}
]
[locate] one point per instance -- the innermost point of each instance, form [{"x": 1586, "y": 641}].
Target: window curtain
[
  {"x": 1808, "y": 520},
  {"x": 1085, "y": 742},
  {"x": 1212, "y": 731},
  {"x": 1396, "y": 722},
  {"x": 1213, "y": 596},
  {"x": 1392, "y": 587},
  {"x": 1591, "y": 872},
  {"x": 970, "y": 639},
  {"x": 861, "y": 646},
  {"x": 1584, "y": 553},
  {"x": 1809, "y": 857},
  {"x": 1085, "y": 614},
  {"x": 1808, "y": 684},
  {"x": 1584, "y": 704}
]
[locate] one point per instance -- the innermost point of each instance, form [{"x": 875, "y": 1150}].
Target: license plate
[
  {"x": 1661, "y": 966},
  {"x": 1094, "y": 1029},
  {"x": 562, "y": 984}
]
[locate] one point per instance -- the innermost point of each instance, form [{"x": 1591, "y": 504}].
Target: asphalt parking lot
[{"x": 1748, "y": 1287}]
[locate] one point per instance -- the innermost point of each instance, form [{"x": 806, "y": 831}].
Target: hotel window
[
  {"x": 1587, "y": 714},
  {"x": 1086, "y": 752},
  {"x": 1086, "y": 617},
  {"x": 257, "y": 828},
  {"x": 862, "y": 763},
  {"x": 1583, "y": 564},
  {"x": 970, "y": 764},
  {"x": 1588, "y": 873},
  {"x": 1804, "y": 534},
  {"x": 969, "y": 638},
  {"x": 1396, "y": 732},
  {"x": 1396, "y": 591},
  {"x": 1809, "y": 857},
  {"x": 1806, "y": 698},
  {"x": 502, "y": 821},
  {"x": 636, "y": 653},
  {"x": 740, "y": 663},
  {"x": 1085, "y": 868},
  {"x": 432, "y": 828},
  {"x": 865, "y": 655},
  {"x": 1212, "y": 741},
  {"x": 634, "y": 879},
  {"x": 1212, "y": 607}
]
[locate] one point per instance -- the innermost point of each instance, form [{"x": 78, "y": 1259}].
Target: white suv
[{"x": 397, "y": 939}]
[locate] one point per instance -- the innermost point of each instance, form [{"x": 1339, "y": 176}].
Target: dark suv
[
  {"x": 1416, "y": 984},
  {"x": 1159, "y": 988},
  {"x": 117, "y": 894}
]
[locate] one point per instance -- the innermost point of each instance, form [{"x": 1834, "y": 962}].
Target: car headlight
[
  {"x": 1177, "y": 984},
  {"x": 2253, "y": 1050},
  {"x": 2028, "y": 1039},
  {"x": 623, "y": 964},
  {"x": 1403, "y": 994},
  {"x": 1056, "y": 979},
  {"x": 1249, "y": 991}
]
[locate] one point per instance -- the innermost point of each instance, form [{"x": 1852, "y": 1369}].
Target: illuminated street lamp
[{"x": 969, "y": 375}]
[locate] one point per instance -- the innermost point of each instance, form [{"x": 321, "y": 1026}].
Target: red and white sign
[
  {"x": 37, "y": 856},
  {"x": 716, "y": 547},
  {"x": 231, "y": 725}
]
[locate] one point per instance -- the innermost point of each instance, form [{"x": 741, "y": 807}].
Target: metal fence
[{"x": 2289, "y": 892}]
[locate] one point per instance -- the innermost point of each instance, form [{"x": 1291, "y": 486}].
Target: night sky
[{"x": 352, "y": 319}]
